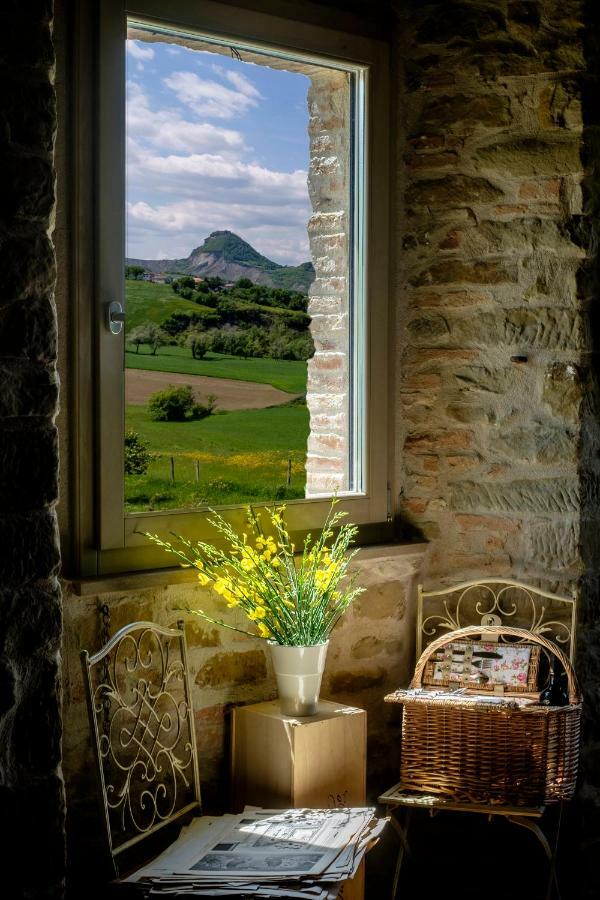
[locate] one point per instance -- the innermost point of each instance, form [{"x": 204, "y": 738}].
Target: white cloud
[
  {"x": 138, "y": 51},
  {"x": 248, "y": 177},
  {"x": 187, "y": 176},
  {"x": 166, "y": 129},
  {"x": 243, "y": 84},
  {"x": 209, "y": 98}
]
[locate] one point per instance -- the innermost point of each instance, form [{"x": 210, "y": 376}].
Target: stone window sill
[{"x": 85, "y": 587}]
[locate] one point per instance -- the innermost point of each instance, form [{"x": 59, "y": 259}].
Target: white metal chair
[
  {"x": 142, "y": 724},
  {"x": 488, "y": 602}
]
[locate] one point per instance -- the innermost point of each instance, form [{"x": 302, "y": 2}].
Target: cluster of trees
[
  {"x": 134, "y": 273},
  {"x": 177, "y": 403},
  {"x": 276, "y": 342},
  {"x": 246, "y": 320},
  {"x": 212, "y": 290}
]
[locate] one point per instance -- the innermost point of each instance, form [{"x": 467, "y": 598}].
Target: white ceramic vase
[{"x": 298, "y": 671}]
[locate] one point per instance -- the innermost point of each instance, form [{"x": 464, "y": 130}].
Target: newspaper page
[
  {"x": 293, "y": 842},
  {"x": 263, "y": 845}
]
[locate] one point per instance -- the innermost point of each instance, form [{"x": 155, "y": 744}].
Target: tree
[
  {"x": 137, "y": 336},
  {"x": 154, "y": 337},
  {"x": 137, "y": 454},
  {"x": 134, "y": 272},
  {"x": 174, "y": 404},
  {"x": 199, "y": 342},
  {"x": 178, "y": 404},
  {"x": 183, "y": 285}
]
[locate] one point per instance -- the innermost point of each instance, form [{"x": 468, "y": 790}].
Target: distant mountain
[{"x": 226, "y": 254}]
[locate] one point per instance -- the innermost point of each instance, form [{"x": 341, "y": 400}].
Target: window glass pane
[{"x": 242, "y": 275}]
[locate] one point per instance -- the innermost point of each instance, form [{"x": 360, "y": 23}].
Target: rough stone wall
[
  {"x": 497, "y": 287},
  {"x": 494, "y": 240},
  {"x": 371, "y": 652},
  {"x": 31, "y": 787},
  {"x": 327, "y": 463}
]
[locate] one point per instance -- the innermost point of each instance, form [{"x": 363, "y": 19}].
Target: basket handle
[{"x": 501, "y": 631}]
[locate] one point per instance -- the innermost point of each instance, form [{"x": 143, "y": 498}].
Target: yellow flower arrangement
[{"x": 291, "y": 600}]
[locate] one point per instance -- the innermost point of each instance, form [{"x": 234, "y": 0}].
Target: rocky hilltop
[{"x": 226, "y": 254}]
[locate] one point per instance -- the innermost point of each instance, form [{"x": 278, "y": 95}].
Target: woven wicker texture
[{"x": 478, "y": 753}]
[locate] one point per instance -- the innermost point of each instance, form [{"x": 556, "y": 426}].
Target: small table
[
  {"x": 398, "y": 798},
  {"x": 318, "y": 761}
]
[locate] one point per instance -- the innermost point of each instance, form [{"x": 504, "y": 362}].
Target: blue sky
[{"x": 214, "y": 143}]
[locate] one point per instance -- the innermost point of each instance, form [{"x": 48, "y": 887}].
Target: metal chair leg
[
  {"x": 552, "y": 876},
  {"x": 526, "y": 822},
  {"x": 404, "y": 848}
]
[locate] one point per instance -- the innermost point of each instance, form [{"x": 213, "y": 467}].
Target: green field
[
  {"x": 243, "y": 456},
  {"x": 148, "y": 302},
  {"x": 285, "y": 374}
]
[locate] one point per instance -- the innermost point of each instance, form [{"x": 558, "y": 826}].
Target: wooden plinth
[{"x": 320, "y": 761}]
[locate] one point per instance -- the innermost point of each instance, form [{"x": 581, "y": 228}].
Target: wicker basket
[{"x": 490, "y": 754}]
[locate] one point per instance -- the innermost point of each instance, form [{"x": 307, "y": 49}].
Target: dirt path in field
[{"x": 230, "y": 394}]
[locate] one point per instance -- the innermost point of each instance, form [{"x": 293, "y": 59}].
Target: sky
[{"x": 213, "y": 144}]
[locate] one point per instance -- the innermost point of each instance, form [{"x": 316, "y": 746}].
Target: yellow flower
[
  {"x": 221, "y": 585},
  {"x": 198, "y": 563},
  {"x": 258, "y": 612},
  {"x": 203, "y": 579},
  {"x": 263, "y": 630},
  {"x": 275, "y": 562}
]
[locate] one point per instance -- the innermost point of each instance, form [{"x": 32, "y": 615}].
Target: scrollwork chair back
[
  {"x": 142, "y": 723},
  {"x": 495, "y": 601}
]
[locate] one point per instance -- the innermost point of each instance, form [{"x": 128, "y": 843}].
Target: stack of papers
[{"x": 301, "y": 853}]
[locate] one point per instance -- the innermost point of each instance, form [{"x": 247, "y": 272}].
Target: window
[{"x": 280, "y": 311}]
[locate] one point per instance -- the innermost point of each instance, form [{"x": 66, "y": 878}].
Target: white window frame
[{"x": 119, "y": 541}]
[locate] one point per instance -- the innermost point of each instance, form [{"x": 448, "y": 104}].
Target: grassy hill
[{"x": 148, "y": 302}]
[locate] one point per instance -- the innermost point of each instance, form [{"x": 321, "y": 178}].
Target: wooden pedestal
[{"x": 320, "y": 761}]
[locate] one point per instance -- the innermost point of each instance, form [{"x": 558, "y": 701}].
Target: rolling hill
[{"x": 226, "y": 254}]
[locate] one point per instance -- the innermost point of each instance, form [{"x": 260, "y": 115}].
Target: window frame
[{"x": 111, "y": 540}]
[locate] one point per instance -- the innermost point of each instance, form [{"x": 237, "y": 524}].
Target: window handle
[{"x": 115, "y": 317}]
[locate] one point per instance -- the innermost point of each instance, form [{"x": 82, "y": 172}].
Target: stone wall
[
  {"x": 498, "y": 431},
  {"x": 494, "y": 239},
  {"x": 371, "y": 653},
  {"x": 31, "y": 787}
]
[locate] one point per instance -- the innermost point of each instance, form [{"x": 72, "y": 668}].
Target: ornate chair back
[
  {"x": 495, "y": 601},
  {"x": 142, "y": 725}
]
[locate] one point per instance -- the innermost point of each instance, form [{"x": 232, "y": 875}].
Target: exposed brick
[
  {"x": 440, "y": 441},
  {"x": 452, "y": 189},
  {"x": 489, "y": 523}
]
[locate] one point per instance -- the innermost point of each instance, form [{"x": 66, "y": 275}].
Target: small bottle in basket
[{"x": 555, "y": 693}]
